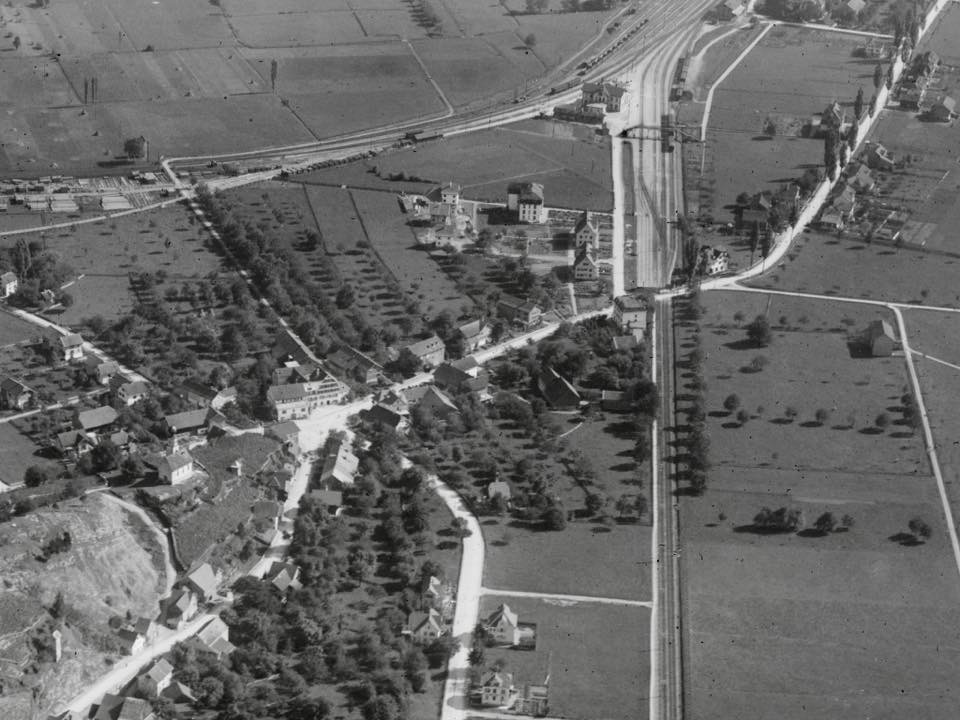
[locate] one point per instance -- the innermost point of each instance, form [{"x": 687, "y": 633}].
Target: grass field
[
  {"x": 572, "y": 162},
  {"x": 195, "y": 77},
  {"x": 17, "y": 453},
  {"x": 597, "y": 656},
  {"x": 823, "y": 264},
  {"x": 14, "y": 330},
  {"x": 801, "y": 623}
]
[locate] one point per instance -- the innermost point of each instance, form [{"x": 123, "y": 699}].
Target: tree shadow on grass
[
  {"x": 812, "y": 533},
  {"x": 744, "y": 344},
  {"x": 905, "y": 539},
  {"x": 491, "y": 521},
  {"x": 447, "y": 545},
  {"x": 871, "y": 431},
  {"x": 761, "y": 530},
  {"x": 781, "y": 421}
]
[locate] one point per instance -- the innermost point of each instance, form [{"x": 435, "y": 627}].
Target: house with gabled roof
[
  {"x": 609, "y": 94},
  {"x": 172, "y": 468},
  {"x": 133, "y": 392},
  {"x": 461, "y": 377},
  {"x": 499, "y": 488},
  {"x": 15, "y": 394},
  {"x": 881, "y": 339},
  {"x": 95, "y": 419},
  {"x": 382, "y": 416},
  {"x": 203, "y": 581},
  {"x": 352, "y": 363},
  {"x": 430, "y": 351},
  {"x": 833, "y": 116},
  {"x": 586, "y": 232},
  {"x": 71, "y": 347},
  {"x": 202, "y": 395},
  {"x": 475, "y": 334},
  {"x": 283, "y": 576},
  {"x": 585, "y": 266},
  {"x": 299, "y": 389},
  {"x": 944, "y": 110},
  {"x": 190, "y": 421},
  {"x": 559, "y": 393},
  {"x": 503, "y": 626},
  {"x": 862, "y": 180},
  {"x": 100, "y": 371},
  {"x": 215, "y": 637},
  {"x": 339, "y": 465},
  {"x": 130, "y": 641},
  {"x": 330, "y": 500},
  {"x": 178, "y": 608},
  {"x": 154, "y": 681},
  {"x": 526, "y": 200},
  {"x": 288, "y": 434},
  {"x": 73, "y": 443},
  {"x": 496, "y": 689},
  {"x": 425, "y": 627},
  {"x": 519, "y": 313},
  {"x": 438, "y": 404}
]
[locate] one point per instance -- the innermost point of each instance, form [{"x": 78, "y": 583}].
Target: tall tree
[
  {"x": 878, "y": 76},
  {"x": 858, "y": 102}
]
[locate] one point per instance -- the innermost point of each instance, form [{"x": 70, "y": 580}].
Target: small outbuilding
[{"x": 880, "y": 339}]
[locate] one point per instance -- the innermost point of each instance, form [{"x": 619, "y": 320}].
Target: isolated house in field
[
  {"x": 520, "y": 313},
  {"x": 557, "y": 390},
  {"x": 945, "y": 110},
  {"x": 526, "y": 200},
  {"x": 96, "y": 419},
  {"x": 630, "y": 313},
  {"x": 8, "y": 284},
  {"x": 155, "y": 680},
  {"x": 475, "y": 334},
  {"x": 71, "y": 347},
  {"x": 203, "y": 581},
  {"x": 425, "y": 627},
  {"x": 430, "y": 351},
  {"x": 15, "y": 395},
  {"x": 496, "y": 689},
  {"x": 503, "y": 626},
  {"x": 586, "y": 233},
  {"x": 880, "y": 339}
]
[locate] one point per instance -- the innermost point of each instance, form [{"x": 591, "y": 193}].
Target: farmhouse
[
  {"x": 8, "y": 284},
  {"x": 177, "y": 609},
  {"x": 287, "y": 434},
  {"x": 203, "y": 581},
  {"x": 71, "y": 346},
  {"x": 202, "y": 395},
  {"x": 557, "y": 391},
  {"x": 173, "y": 468},
  {"x": 155, "y": 680},
  {"x": 15, "y": 395},
  {"x": 339, "y": 466},
  {"x": 384, "y": 417},
  {"x": 880, "y": 339},
  {"x": 100, "y": 371},
  {"x": 133, "y": 392},
  {"x": 191, "y": 421},
  {"x": 945, "y": 110},
  {"x": 435, "y": 403},
  {"x": 630, "y": 313},
  {"x": 526, "y": 200},
  {"x": 519, "y": 313},
  {"x": 425, "y": 627},
  {"x": 95, "y": 419},
  {"x": 74, "y": 443},
  {"x": 430, "y": 351},
  {"x": 461, "y": 377},
  {"x": 354, "y": 364},
  {"x": 586, "y": 232},
  {"x": 475, "y": 334},
  {"x": 214, "y": 637}
]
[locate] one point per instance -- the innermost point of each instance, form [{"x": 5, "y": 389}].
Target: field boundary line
[
  {"x": 426, "y": 71},
  {"x": 496, "y": 592},
  {"x": 936, "y": 360},
  {"x": 723, "y": 76}
]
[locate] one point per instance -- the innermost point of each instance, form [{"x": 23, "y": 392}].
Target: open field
[
  {"x": 597, "y": 656},
  {"x": 17, "y": 453},
  {"x": 810, "y": 367},
  {"x": 14, "y": 330},
  {"x": 195, "y": 77},
  {"x": 567, "y": 562},
  {"x": 810, "y": 621},
  {"x": 823, "y": 264},
  {"x": 791, "y": 75},
  {"x": 572, "y": 162}
]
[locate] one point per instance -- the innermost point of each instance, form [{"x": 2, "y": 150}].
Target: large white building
[{"x": 526, "y": 199}]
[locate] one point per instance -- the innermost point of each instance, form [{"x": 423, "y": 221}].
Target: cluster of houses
[
  {"x": 496, "y": 688},
  {"x": 432, "y": 621},
  {"x": 917, "y": 81},
  {"x": 448, "y": 220}
]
